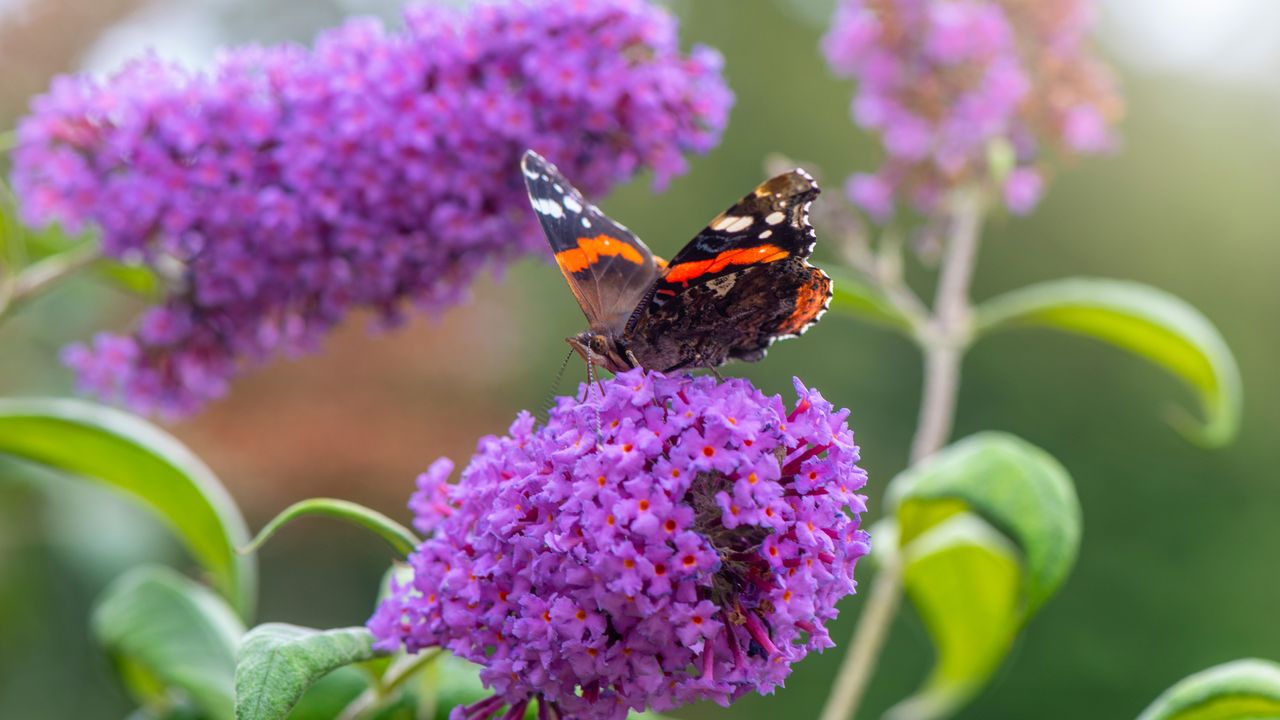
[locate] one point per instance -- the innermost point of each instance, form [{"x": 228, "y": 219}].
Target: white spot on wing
[
  {"x": 573, "y": 205},
  {"x": 725, "y": 222},
  {"x": 586, "y": 223},
  {"x": 766, "y": 235},
  {"x": 739, "y": 224},
  {"x": 547, "y": 206},
  {"x": 775, "y": 217}
]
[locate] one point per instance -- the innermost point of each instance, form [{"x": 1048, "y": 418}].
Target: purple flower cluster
[
  {"x": 288, "y": 185},
  {"x": 670, "y": 539},
  {"x": 947, "y": 82}
]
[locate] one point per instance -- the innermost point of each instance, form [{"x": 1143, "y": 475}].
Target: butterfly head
[{"x": 599, "y": 349}]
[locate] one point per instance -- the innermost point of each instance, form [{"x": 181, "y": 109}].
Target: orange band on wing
[
  {"x": 811, "y": 299},
  {"x": 686, "y": 271},
  {"x": 590, "y": 250}
]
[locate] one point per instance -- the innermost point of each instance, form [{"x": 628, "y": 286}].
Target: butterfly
[{"x": 739, "y": 285}]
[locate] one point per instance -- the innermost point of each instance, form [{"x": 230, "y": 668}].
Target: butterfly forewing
[
  {"x": 608, "y": 268},
  {"x": 769, "y": 225}
]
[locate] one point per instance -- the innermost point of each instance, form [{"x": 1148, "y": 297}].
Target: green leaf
[
  {"x": 1013, "y": 485},
  {"x": 457, "y": 683},
  {"x": 177, "y": 711},
  {"x": 331, "y": 694},
  {"x": 129, "y": 454},
  {"x": 11, "y": 250},
  {"x": 1145, "y": 321},
  {"x": 170, "y": 634},
  {"x": 278, "y": 662},
  {"x": 855, "y": 298},
  {"x": 963, "y": 578},
  {"x": 136, "y": 279},
  {"x": 8, "y": 140},
  {"x": 1240, "y": 690},
  {"x": 988, "y": 529},
  {"x": 400, "y": 538}
]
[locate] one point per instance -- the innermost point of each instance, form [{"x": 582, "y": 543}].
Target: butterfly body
[{"x": 738, "y": 286}]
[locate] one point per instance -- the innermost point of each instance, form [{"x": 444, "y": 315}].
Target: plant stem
[
  {"x": 943, "y": 343},
  {"x": 43, "y": 275},
  {"x": 868, "y": 638},
  {"x": 937, "y": 406},
  {"x": 401, "y": 670},
  {"x": 949, "y": 331}
]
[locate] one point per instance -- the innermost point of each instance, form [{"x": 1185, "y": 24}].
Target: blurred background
[{"x": 1178, "y": 569}]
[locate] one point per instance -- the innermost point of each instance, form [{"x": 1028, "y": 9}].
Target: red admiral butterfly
[{"x": 741, "y": 284}]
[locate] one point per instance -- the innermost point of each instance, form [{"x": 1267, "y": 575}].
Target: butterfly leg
[
  {"x": 592, "y": 374},
  {"x": 635, "y": 362},
  {"x": 719, "y": 377}
]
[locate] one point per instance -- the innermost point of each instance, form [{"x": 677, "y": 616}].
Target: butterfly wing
[
  {"x": 770, "y": 224},
  {"x": 741, "y": 284},
  {"x": 608, "y": 268}
]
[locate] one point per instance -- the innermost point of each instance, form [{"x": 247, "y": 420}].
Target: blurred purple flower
[
  {"x": 871, "y": 193},
  {"x": 944, "y": 80},
  {"x": 668, "y": 524},
  {"x": 288, "y": 186},
  {"x": 1022, "y": 190}
]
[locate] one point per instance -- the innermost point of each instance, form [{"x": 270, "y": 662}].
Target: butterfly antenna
[{"x": 550, "y": 400}]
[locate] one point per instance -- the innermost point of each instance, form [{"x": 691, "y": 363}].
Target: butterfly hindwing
[
  {"x": 742, "y": 283},
  {"x": 608, "y": 268}
]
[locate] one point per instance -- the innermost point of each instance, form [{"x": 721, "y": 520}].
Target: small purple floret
[{"x": 694, "y": 549}]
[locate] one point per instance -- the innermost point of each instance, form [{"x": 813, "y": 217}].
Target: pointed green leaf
[
  {"x": 278, "y": 662},
  {"x": 400, "y": 538},
  {"x": 1143, "y": 320},
  {"x": 855, "y": 298},
  {"x": 987, "y": 530},
  {"x": 1239, "y": 690},
  {"x": 963, "y": 578},
  {"x": 171, "y": 636},
  {"x": 129, "y": 454}
]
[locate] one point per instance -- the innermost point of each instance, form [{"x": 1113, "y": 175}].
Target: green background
[{"x": 1178, "y": 567}]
